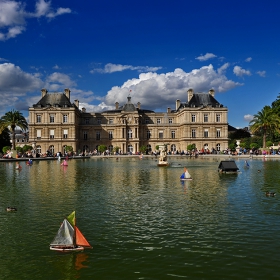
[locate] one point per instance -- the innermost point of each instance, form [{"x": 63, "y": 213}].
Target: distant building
[
  {"x": 22, "y": 138},
  {"x": 55, "y": 122}
]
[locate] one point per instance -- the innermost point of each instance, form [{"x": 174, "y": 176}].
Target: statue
[{"x": 163, "y": 156}]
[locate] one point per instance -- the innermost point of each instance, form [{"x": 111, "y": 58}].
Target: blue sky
[{"x": 154, "y": 50}]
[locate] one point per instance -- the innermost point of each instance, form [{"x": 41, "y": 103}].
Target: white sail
[{"x": 65, "y": 235}]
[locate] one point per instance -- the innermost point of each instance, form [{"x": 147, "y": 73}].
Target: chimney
[
  {"x": 138, "y": 105},
  {"x": 190, "y": 94},
  {"x": 168, "y": 110},
  {"x": 67, "y": 92},
  {"x": 83, "y": 109},
  {"x": 77, "y": 103},
  {"x": 212, "y": 92},
  {"x": 117, "y": 105},
  {"x": 44, "y": 92},
  {"x": 177, "y": 104}
]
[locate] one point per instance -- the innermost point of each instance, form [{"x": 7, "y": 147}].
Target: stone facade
[{"x": 55, "y": 122}]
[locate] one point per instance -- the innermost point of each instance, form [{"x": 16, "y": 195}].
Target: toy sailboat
[{"x": 69, "y": 238}]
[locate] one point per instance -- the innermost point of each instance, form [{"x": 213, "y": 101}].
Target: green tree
[
  {"x": 116, "y": 149},
  {"x": 11, "y": 120},
  {"x": 143, "y": 149},
  {"x": 5, "y": 149},
  {"x": 27, "y": 148},
  {"x": 68, "y": 149},
  {"x": 254, "y": 145},
  {"x": 102, "y": 148},
  {"x": 4, "y": 138},
  {"x": 191, "y": 147},
  {"x": 264, "y": 122}
]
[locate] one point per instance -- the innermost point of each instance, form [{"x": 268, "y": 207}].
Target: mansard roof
[
  {"x": 128, "y": 107},
  {"x": 54, "y": 100},
  {"x": 201, "y": 100}
]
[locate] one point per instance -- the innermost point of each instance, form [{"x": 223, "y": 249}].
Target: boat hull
[{"x": 65, "y": 249}]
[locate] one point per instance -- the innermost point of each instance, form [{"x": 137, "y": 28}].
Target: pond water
[{"x": 141, "y": 220}]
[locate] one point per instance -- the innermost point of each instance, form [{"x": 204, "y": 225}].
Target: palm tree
[
  {"x": 265, "y": 121},
  {"x": 11, "y": 120}
]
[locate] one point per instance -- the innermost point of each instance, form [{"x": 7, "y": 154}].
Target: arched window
[
  {"x": 173, "y": 148},
  {"x": 64, "y": 149},
  {"x": 110, "y": 148},
  {"x": 39, "y": 149},
  {"x": 130, "y": 149},
  {"x": 218, "y": 147},
  {"x": 51, "y": 149}
]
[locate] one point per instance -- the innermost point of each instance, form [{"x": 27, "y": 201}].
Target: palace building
[{"x": 55, "y": 122}]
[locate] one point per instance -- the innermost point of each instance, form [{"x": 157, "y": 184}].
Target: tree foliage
[
  {"x": 266, "y": 122},
  {"x": 102, "y": 148},
  {"x": 11, "y": 120}
]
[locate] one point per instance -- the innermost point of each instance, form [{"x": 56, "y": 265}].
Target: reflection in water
[{"x": 141, "y": 219}]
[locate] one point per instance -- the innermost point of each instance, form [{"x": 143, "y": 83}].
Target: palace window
[
  {"x": 39, "y": 149},
  {"x": 160, "y": 134},
  {"x": 110, "y": 135},
  {"x": 38, "y": 118},
  {"x": 218, "y": 147},
  {"x": 85, "y": 134},
  {"x": 146, "y": 121},
  {"x": 170, "y": 120},
  {"x": 193, "y": 118},
  {"x": 173, "y": 148},
  {"x": 111, "y": 121},
  {"x": 98, "y": 121},
  {"x": 218, "y": 118},
  {"x": 65, "y": 118},
  {"x": 110, "y": 148},
  {"x": 193, "y": 133},
  {"x": 39, "y": 134},
  {"x": 173, "y": 134},
  {"x": 65, "y": 133},
  {"x": 205, "y": 117},
  {"x": 206, "y": 133},
  {"x": 218, "y": 133},
  {"x": 86, "y": 120},
  {"x": 129, "y": 134},
  {"x": 148, "y": 134},
  {"x": 158, "y": 120},
  {"x": 51, "y": 118},
  {"x": 97, "y": 135},
  {"x": 51, "y": 133}
]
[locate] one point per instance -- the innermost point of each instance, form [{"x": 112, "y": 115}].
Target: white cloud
[
  {"x": 15, "y": 85},
  {"x": 261, "y": 73},
  {"x": 238, "y": 71},
  {"x": 154, "y": 90},
  {"x": 111, "y": 68},
  {"x": 223, "y": 68},
  {"x": 248, "y": 59},
  {"x": 13, "y": 16},
  {"x": 206, "y": 57},
  {"x": 56, "y": 81},
  {"x": 95, "y": 108},
  {"x": 248, "y": 118}
]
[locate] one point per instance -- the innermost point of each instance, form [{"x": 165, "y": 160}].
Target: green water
[{"x": 142, "y": 222}]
